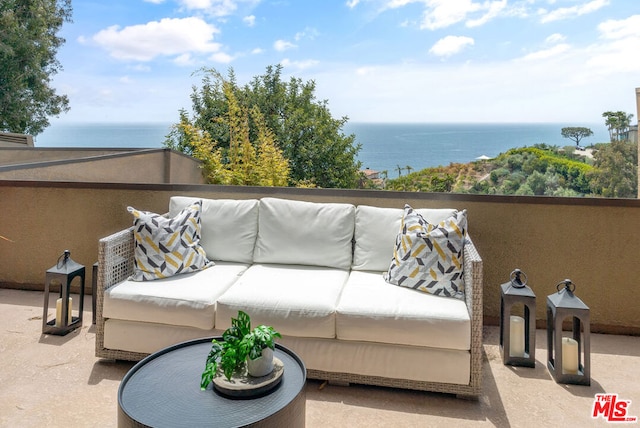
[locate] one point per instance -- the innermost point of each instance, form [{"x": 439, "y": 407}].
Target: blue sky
[{"x": 373, "y": 60}]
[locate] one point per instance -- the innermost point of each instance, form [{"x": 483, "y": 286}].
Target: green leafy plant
[{"x": 238, "y": 343}]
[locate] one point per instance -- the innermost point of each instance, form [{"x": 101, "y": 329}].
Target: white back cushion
[
  {"x": 376, "y": 231},
  {"x": 229, "y": 227},
  {"x": 305, "y": 233}
]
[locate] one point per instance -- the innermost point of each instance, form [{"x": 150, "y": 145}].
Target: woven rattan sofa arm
[
  {"x": 473, "y": 296},
  {"x": 115, "y": 264}
]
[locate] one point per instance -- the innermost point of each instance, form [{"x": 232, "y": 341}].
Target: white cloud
[
  {"x": 283, "y": 45},
  {"x": 184, "y": 60},
  {"x": 444, "y": 13},
  {"x": 615, "y": 29},
  {"x": 300, "y": 65},
  {"x": 166, "y": 37},
  {"x": 495, "y": 8},
  {"x": 547, "y": 53},
  {"x": 618, "y": 51},
  {"x": 308, "y": 33},
  {"x": 352, "y": 3},
  {"x": 249, "y": 20},
  {"x": 222, "y": 57},
  {"x": 218, "y": 8},
  {"x": 571, "y": 12},
  {"x": 257, "y": 51},
  {"x": 154, "y": 1},
  {"x": 555, "y": 38},
  {"x": 450, "y": 45}
]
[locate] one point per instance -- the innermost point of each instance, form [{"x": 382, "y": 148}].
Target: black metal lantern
[
  {"x": 518, "y": 333},
  {"x": 569, "y": 356},
  {"x": 62, "y": 274}
]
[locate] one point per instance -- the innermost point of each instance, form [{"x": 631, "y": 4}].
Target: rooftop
[{"x": 57, "y": 381}]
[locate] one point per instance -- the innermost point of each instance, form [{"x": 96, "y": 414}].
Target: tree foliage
[
  {"x": 244, "y": 162},
  {"x": 287, "y": 113},
  {"x": 616, "y": 173},
  {"x": 576, "y": 133},
  {"x": 618, "y": 123},
  {"x": 28, "y": 48},
  {"x": 539, "y": 170}
]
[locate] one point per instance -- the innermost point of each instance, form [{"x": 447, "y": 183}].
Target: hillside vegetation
[{"x": 612, "y": 171}]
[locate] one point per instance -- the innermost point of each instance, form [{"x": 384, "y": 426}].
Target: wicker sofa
[{"x": 314, "y": 272}]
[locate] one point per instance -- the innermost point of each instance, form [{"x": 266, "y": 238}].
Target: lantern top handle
[
  {"x": 567, "y": 285},
  {"x": 516, "y": 281},
  {"x": 62, "y": 260}
]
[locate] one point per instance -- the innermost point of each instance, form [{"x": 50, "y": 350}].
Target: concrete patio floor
[{"x": 57, "y": 381}]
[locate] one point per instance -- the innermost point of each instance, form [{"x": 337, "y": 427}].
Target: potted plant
[{"x": 241, "y": 345}]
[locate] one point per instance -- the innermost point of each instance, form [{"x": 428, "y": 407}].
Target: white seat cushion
[
  {"x": 228, "y": 227},
  {"x": 305, "y": 233},
  {"x": 373, "y": 310},
  {"x": 376, "y": 231},
  {"x": 295, "y": 300},
  {"x": 184, "y": 300}
]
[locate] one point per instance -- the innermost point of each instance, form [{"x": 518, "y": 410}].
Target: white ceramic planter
[{"x": 261, "y": 366}]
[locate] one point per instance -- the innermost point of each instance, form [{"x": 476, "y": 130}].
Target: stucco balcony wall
[
  {"x": 99, "y": 165},
  {"x": 594, "y": 242}
]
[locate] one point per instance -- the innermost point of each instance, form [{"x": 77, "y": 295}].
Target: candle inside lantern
[
  {"x": 59, "y": 312},
  {"x": 569, "y": 355},
  {"x": 516, "y": 336}
]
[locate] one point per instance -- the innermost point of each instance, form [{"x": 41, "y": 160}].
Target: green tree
[
  {"x": 616, "y": 172},
  {"x": 28, "y": 48},
  {"x": 245, "y": 163},
  {"x": 618, "y": 123},
  {"x": 318, "y": 152},
  {"x": 272, "y": 167},
  {"x": 576, "y": 133}
]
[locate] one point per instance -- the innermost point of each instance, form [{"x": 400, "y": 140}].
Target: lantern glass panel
[
  {"x": 61, "y": 277},
  {"x": 568, "y": 336},
  {"x": 517, "y": 321}
]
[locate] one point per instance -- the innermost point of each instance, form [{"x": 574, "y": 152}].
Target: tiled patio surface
[{"x": 56, "y": 381}]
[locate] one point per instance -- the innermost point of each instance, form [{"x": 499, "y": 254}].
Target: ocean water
[{"x": 385, "y": 147}]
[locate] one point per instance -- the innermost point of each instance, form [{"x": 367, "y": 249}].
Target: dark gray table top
[{"x": 163, "y": 390}]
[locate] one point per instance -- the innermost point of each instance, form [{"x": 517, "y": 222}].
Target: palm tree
[
  {"x": 408, "y": 168},
  {"x": 618, "y": 124},
  {"x": 399, "y": 168}
]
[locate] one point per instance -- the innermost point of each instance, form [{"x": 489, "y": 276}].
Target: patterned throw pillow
[
  {"x": 428, "y": 257},
  {"x": 167, "y": 246}
]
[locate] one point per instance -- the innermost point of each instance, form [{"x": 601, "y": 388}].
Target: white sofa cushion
[
  {"x": 295, "y": 300},
  {"x": 382, "y": 360},
  {"x": 376, "y": 231},
  {"x": 184, "y": 300},
  {"x": 229, "y": 227},
  {"x": 305, "y": 233},
  {"x": 373, "y": 310}
]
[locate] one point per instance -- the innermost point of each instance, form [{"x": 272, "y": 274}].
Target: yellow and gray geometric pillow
[
  {"x": 167, "y": 246},
  {"x": 428, "y": 257}
]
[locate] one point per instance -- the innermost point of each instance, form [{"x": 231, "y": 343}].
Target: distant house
[{"x": 371, "y": 174}]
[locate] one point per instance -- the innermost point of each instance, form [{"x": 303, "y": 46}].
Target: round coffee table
[{"x": 163, "y": 390}]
